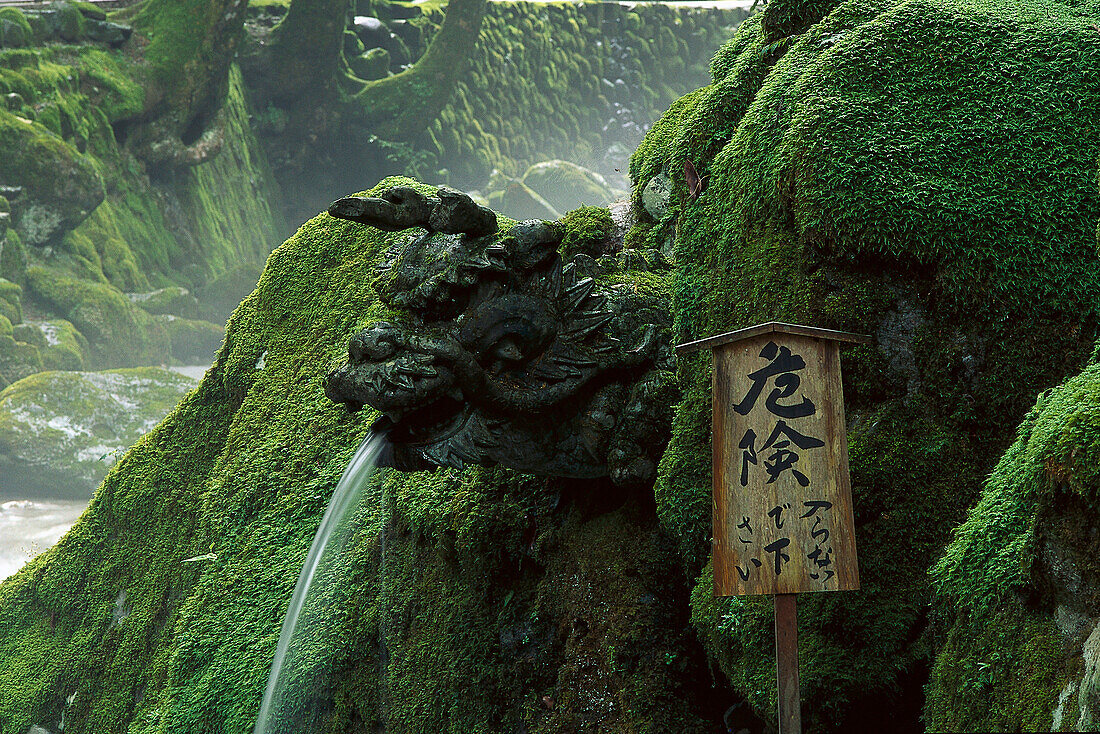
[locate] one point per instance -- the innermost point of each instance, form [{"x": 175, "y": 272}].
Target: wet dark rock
[
  {"x": 113, "y": 34},
  {"x": 371, "y": 31},
  {"x": 457, "y": 213}
]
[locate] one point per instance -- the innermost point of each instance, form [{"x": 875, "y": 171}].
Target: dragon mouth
[{"x": 437, "y": 421}]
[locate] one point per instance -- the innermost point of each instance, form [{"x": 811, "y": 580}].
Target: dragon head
[{"x": 505, "y": 353}]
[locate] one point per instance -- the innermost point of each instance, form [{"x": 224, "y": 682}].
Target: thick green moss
[
  {"x": 852, "y": 181},
  {"x": 587, "y": 230},
  {"x": 61, "y": 186},
  {"x": 537, "y": 82},
  {"x": 999, "y": 672},
  {"x": 17, "y": 360},
  {"x": 1057, "y": 450},
  {"x": 84, "y": 96},
  {"x": 465, "y": 602},
  {"x": 118, "y": 331},
  {"x": 13, "y": 257},
  {"x": 15, "y": 31},
  {"x": 1021, "y": 565},
  {"x": 11, "y": 301}
]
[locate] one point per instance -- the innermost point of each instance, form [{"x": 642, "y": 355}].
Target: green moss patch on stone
[
  {"x": 587, "y": 230},
  {"x": 999, "y": 672},
  {"x": 118, "y": 332},
  {"x": 61, "y": 186},
  {"x": 61, "y": 431},
  {"x": 15, "y": 31}
]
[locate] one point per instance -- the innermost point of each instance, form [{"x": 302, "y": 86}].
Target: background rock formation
[{"x": 866, "y": 169}]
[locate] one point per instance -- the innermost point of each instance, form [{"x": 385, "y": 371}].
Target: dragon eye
[{"x": 375, "y": 344}]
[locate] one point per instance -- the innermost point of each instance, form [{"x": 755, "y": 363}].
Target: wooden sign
[{"x": 782, "y": 499}]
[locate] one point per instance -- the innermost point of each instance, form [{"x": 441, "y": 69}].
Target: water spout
[{"x": 332, "y": 533}]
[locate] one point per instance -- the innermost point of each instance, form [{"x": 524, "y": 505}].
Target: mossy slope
[
  {"x": 88, "y": 224},
  {"x": 904, "y": 170},
  {"x": 474, "y": 601}
]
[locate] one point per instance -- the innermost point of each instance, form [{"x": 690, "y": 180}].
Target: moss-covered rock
[
  {"x": 588, "y": 230},
  {"x": 13, "y": 258},
  {"x": 145, "y": 234},
  {"x": 474, "y": 600},
  {"x": 15, "y": 31},
  {"x": 61, "y": 186},
  {"x": 61, "y": 431},
  {"x": 11, "y": 301},
  {"x": 65, "y": 347},
  {"x": 374, "y": 64},
  {"x": 193, "y": 341},
  {"x": 70, "y": 21},
  {"x": 1019, "y": 584},
  {"x": 119, "y": 333},
  {"x": 168, "y": 300},
  {"x": 852, "y": 181},
  {"x": 17, "y": 360},
  {"x": 573, "y": 81}
]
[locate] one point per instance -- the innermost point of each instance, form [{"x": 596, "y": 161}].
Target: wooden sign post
[{"x": 782, "y": 508}]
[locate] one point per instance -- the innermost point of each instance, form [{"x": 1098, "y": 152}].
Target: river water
[{"x": 29, "y": 526}]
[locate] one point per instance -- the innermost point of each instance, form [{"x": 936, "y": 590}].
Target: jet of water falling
[{"x": 333, "y": 531}]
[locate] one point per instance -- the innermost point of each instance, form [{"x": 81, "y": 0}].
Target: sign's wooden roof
[{"x": 772, "y": 326}]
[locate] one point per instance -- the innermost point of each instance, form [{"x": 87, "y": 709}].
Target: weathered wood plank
[
  {"x": 786, "y": 659},
  {"x": 783, "y": 521}
]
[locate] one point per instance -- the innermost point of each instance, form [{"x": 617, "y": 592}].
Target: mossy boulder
[
  {"x": 174, "y": 300},
  {"x": 17, "y": 360},
  {"x": 64, "y": 347},
  {"x": 60, "y": 432},
  {"x": 193, "y": 341},
  {"x": 589, "y": 230},
  {"x": 61, "y": 186},
  {"x": 11, "y": 301},
  {"x": 13, "y": 258},
  {"x": 374, "y": 64},
  {"x": 1019, "y": 584},
  {"x": 852, "y": 181},
  {"x": 118, "y": 332},
  {"x": 70, "y": 21},
  {"x": 15, "y": 31},
  {"x": 497, "y": 600}
]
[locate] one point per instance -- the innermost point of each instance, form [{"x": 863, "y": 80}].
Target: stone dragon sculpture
[{"x": 506, "y": 353}]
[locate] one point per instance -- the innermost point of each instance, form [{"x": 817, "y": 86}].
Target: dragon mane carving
[{"x": 505, "y": 353}]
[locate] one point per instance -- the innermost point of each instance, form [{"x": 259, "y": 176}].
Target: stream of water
[{"x": 331, "y": 535}]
